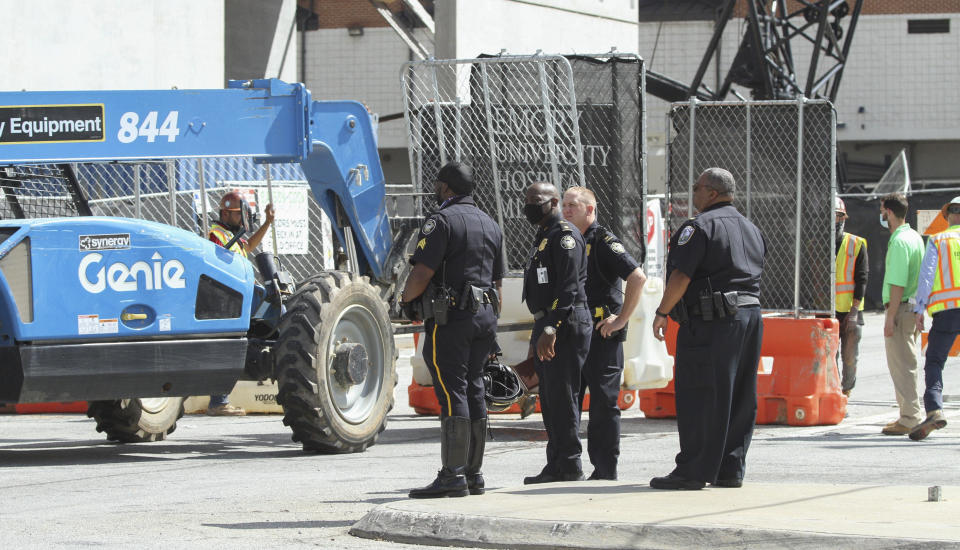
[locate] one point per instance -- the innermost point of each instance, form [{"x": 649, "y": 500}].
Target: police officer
[
  {"x": 454, "y": 285},
  {"x": 553, "y": 287},
  {"x": 608, "y": 264},
  {"x": 713, "y": 288}
]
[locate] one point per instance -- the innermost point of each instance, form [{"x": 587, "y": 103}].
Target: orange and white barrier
[{"x": 802, "y": 387}]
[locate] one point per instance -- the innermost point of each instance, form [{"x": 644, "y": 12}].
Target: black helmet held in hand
[{"x": 502, "y": 387}]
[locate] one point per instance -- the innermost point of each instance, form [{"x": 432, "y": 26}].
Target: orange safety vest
[
  {"x": 223, "y": 236},
  {"x": 846, "y": 261},
  {"x": 946, "y": 284}
]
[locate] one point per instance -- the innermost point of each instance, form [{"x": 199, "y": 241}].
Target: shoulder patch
[
  {"x": 429, "y": 226},
  {"x": 543, "y": 244},
  {"x": 685, "y": 235},
  {"x": 618, "y": 248},
  {"x": 568, "y": 242}
]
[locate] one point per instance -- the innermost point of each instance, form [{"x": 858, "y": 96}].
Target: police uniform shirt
[
  {"x": 607, "y": 263},
  {"x": 722, "y": 245},
  {"x": 557, "y": 271},
  {"x": 462, "y": 244}
]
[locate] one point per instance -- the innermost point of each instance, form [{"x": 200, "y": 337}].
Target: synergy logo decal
[
  {"x": 120, "y": 241},
  {"x": 51, "y": 123},
  {"x": 123, "y": 278}
]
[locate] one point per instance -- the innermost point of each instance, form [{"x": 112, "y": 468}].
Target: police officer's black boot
[
  {"x": 454, "y": 446},
  {"x": 478, "y": 441}
]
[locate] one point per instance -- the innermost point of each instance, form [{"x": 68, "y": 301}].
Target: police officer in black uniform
[
  {"x": 455, "y": 286},
  {"x": 553, "y": 287},
  {"x": 713, "y": 288},
  {"x": 608, "y": 264}
]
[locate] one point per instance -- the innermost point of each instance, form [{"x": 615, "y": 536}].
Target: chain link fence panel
[
  {"x": 519, "y": 120},
  {"x": 782, "y": 155},
  {"x": 170, "y": 192}
]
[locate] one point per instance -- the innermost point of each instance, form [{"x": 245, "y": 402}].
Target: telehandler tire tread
[{"x": 310, "y": 409}]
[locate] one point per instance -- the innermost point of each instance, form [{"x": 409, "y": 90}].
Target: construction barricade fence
[{"x": 782, "y": 155}]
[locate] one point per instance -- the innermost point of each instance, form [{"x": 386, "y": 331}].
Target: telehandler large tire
[
  {"x": 336, "y": 363},
  {"x": 137, "y": 420}
]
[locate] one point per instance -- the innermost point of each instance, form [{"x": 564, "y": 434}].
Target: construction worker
[
  {"x": 938, "y": 291},
  {"x": 553, "y": 287},
  {"x": 457, "y": 268},
  {"x": 231, "y": 219},
  {"x": 608, "y": 265},
  {"x": 852, "y": 269}
]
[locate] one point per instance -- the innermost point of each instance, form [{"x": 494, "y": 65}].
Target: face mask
[
  {"x": 883, "y": 222},
  {"x": 839, "y": 226},
  {"x": 534, "y": 212}
]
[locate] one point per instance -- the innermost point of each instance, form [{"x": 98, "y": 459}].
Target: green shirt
[{"x": 904, "y": 254}]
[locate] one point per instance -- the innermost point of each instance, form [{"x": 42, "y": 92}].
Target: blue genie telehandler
[{"x": 133, "y": 316}]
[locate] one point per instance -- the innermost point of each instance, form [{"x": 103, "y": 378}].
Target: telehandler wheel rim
[
  {"x": 357, "y": 324},
  {"x": 153, "y": 405}
]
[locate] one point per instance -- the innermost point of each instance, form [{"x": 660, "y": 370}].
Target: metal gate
[
  {"x": 782, "y": 155},
  {"x": 517, "y": 120}
]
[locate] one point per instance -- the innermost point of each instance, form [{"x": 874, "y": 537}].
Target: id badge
[{"x": 542, "y": 275}]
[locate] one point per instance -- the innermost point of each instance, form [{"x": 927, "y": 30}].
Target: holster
[
  {"x": 602, "y": 313},
  {"x": 679, "y": 313}
]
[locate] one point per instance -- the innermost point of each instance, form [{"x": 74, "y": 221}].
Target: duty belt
[
  {"x": 543, "y": 313},
  {"x": 743, "y": 300}
]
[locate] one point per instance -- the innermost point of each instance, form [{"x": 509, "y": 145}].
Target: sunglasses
[{"x": 955, "y": 209}]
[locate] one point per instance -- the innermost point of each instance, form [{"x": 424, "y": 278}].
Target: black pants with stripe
[
  {"x": 455, "y": 354},
  {"x": 560, "y": 391}
]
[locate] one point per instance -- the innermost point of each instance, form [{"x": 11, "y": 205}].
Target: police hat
[{"x": 458, "y": 176}]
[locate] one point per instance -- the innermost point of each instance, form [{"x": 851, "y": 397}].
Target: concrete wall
[
  {"x": 260, "y": 39},
  {"x": 111, "y": 44}
]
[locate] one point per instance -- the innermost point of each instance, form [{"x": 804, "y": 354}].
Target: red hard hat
[{"x": 232, "y": 201}]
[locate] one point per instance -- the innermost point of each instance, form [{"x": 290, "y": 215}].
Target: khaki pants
[{"x": 902, "y": 350}]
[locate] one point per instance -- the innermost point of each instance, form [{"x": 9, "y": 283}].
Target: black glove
[{"x": 410, "y": 311}]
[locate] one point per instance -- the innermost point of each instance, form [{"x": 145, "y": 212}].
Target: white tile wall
[{"x": 364, "y": 68}]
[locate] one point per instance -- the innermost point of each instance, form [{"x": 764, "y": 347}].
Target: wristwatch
[{"x": 549, "y": 330}]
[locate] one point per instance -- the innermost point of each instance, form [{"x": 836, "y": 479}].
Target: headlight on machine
[{"x": 16, "y": 269}]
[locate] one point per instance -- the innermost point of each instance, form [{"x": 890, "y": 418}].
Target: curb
[{"x": 396, "y": 525}]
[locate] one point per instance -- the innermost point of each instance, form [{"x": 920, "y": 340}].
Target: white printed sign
[
  {"x": 292, "y": 219},
  {"x": 925, "y": 218},
  {"x": 93, "y": 324}
]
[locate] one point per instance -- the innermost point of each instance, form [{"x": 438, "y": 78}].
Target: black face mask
[{"x": 534, "y": 212}]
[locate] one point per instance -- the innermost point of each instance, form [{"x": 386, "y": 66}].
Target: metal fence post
[
  {"x": 691, "y": 152},
  {"x": 203, "y": 198},
  {"x": 459, "y": 127},
  {"x": 798, "y": 226},
  {"x": 438, "y": 119},
  {"x": 273, "y": 226},
  {"x": 488, "y": 111},
  {"x": 172, "y": 190},
  {"x": 136, "y": 192},
  {"x": 551, "y": 131},
  {"x": 749, "y": 161},
  {"x": 833, "y": 185}
]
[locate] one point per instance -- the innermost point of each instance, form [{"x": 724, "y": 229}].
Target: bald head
[{"x": 541, "y": 199}]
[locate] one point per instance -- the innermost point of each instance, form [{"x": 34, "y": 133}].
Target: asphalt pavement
[{"x": 242, "y": 483}]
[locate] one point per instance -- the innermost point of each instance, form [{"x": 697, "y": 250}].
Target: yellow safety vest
[
  {"x": 224, "y": 235},
  {"x": 946, "y": 284},
  {"x": 846, "y": 261}
]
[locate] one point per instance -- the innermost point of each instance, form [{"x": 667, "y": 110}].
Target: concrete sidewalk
[{"x": 606, "y": 515}]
